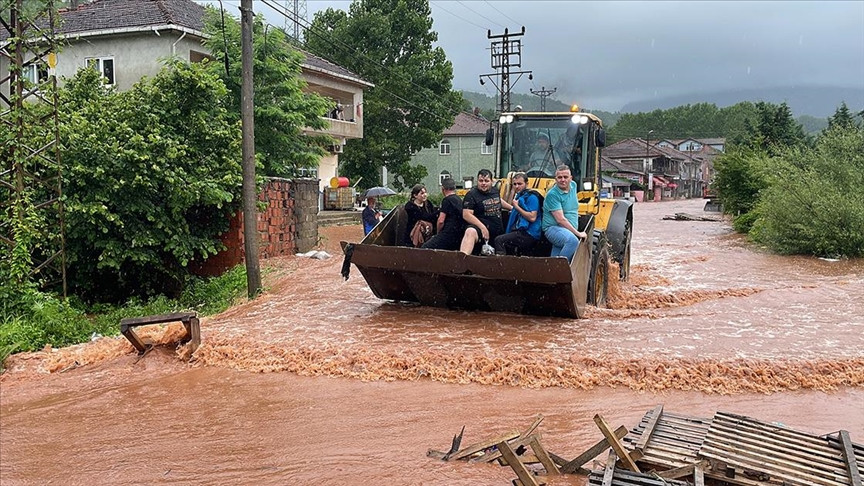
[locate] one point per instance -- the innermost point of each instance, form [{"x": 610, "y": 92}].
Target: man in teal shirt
[{"x": 561, "y": 215}]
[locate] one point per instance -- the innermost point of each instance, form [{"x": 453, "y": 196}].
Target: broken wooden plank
[
  {"x": 522, "y": 473},
  {"x": 479, "y": 446},
  {"x": 592, "y": 452},
  {"x": 615, "y": 443},
  {"x": 436, "y": 454},
  {"x": 609, "y": 473},
  {"x": 530, "y": 430},
  {"x": 680, "y": 472},
  {"x": 698, "y": 475},
  {"x": 543, "y": 456},
  {"x": 515, "y": 444},
  {"x": 649, "y": 429},
  {"x": 849, "y": 457}
]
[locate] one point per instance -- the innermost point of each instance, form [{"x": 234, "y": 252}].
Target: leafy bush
[
  {"x": 152, "y": 177},
  {"x": 744, "y": 221},
  {"x": 45, "y": 319},
  {"x": 813, "y": 203},
  {"x": 741, "y": 176}
]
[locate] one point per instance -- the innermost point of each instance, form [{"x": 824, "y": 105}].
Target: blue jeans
[{"x": 564, "y": 243}]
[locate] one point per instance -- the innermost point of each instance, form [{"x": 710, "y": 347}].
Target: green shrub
[
  {"x": 152, "y": 176},
  {"x": 813, "y": 203},
  {"x": 41, "y": 319},
  {"x": 46, "y": 320},
  {"x": 740, "y": 177},
  {"x": 743, "y": 222}
]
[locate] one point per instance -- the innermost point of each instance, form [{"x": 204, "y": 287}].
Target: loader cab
[{"x": 537, "y": 143}]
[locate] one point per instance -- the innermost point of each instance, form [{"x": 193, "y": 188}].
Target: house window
[
  {"x": 104, "y": 66},
  {"x": 443, "y": 175},
  {"x": 35, "y": 73},
  {"x": 485, "y": 149},
  {"x": 444, "y": 147}
]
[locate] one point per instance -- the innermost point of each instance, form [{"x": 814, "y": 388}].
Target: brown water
[{"x": 357, "y": 389}]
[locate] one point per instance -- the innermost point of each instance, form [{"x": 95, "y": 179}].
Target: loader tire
[{"x": 598, "y": 281}]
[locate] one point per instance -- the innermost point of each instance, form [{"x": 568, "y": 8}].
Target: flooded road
[{"x": 354, "y": 390}]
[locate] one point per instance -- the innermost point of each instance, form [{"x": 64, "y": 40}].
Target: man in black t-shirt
[
  {"x": 450, "y": 225},
  {"x": 481, "y": 210}
]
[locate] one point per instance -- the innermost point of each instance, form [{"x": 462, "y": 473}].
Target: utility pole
[
  {"x": 31, "y": 174},
  {"x": 506, "y": 53},
  {"x": 298, "y": 9},
  {"x": 543, "y": 93},
  {"x": 247, "y": 116}
]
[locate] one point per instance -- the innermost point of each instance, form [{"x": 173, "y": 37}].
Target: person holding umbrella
[{"x": 371, "y": 215}]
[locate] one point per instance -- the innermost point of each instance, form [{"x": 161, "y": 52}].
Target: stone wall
[{"x": 288, "y": 225}]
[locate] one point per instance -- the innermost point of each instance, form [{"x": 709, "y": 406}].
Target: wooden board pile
[{"x": 667, "y": 449}]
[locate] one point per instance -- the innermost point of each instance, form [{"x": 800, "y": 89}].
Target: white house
[{"x": 126, "y": 39}]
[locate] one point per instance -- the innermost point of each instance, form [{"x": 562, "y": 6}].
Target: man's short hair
[
  {"x": 448, "y": 184},
  {"x": 542, "y": 136},
  {"x": 521, "y": 175},
  {"x": 562, "y": 167},
  {"x": 484, "y": 173}
]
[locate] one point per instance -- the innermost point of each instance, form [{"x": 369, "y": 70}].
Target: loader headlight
[{"x": 579, "y": 119}]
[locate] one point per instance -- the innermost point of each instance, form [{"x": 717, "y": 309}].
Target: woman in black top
[{"x": 417, "y": 209}]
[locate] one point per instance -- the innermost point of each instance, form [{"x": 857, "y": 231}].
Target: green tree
[
  {"x": 282, "y": 107},
  {"x": 773, "y": 129},
  {"x": 390, "y": 43},
  {"x": 151, "y": 177},
  {"x": 842, "y": 118}
]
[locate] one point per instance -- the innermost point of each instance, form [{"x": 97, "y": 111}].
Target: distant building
[
  {"x": 662, "y": 166},
  {"x": 125, "y": 40},
  {"x": 460, "y": 153}
]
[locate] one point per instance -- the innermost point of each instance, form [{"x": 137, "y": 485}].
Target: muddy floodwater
[{"x": 320, "y": 382}]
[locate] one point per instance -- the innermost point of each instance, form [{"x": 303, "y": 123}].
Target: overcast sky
[{"x": 605, "y": 54}]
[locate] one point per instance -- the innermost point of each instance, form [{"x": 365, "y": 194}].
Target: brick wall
[{"x": 288, "y": 225}]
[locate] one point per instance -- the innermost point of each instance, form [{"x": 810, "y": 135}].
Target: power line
[
  {"x": 458, "y": 16},
  {"x": 481, "y": 15},
  {"x": 502, "y": 13}
]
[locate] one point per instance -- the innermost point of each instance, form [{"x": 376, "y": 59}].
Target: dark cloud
[{"x": 605, "y": 54}]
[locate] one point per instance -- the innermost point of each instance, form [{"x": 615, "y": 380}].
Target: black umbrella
[{"x": 378, "y": 192}]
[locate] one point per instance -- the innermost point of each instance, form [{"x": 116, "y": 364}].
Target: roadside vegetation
[
  {"x": 151, "y": 177},
  {"x": 796, "y": 195},
  {"x": 39, "y": 319}
]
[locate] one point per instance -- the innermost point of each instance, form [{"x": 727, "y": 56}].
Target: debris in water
[
  {"x": 689, "y": 217},
  {"x": 679, "y": 450},
  {"x": 316, "y": 254}
]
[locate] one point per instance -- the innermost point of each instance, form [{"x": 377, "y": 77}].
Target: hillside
[
  {"x": 489, "y": 105},
  {"x": 815, "y": 101}
]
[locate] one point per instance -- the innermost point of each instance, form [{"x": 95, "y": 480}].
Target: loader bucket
[{"x": 526, "y": 285}]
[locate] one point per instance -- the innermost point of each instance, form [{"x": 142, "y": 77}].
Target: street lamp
[{"x": 647, "y": 138}]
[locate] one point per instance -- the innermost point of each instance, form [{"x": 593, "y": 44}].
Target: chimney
[
  {"x": 476, "y": 111},
  {"x": 73, "y": 4}
]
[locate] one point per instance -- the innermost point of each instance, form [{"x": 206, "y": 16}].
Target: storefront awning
[
  {"x": 615, "y": 182},
  {"x": 660, "y": 181}
]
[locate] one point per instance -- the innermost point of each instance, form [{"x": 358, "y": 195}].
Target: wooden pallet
[
  {"x": 667, "y": 440},
  {"x": 748, "y": 452},
  {"x": 614, "y": 476}
]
